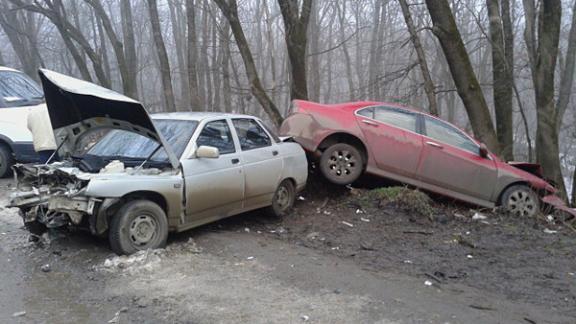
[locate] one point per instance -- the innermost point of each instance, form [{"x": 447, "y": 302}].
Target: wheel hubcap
[
  {"x": 283, "y": 198},
  {"x": 142, "y": 230},
  {"x": 521, "y": 203},
  {"x": 342, "y": 163}
]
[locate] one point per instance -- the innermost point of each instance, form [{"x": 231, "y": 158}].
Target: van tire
[{"x": 6, "y": 161}]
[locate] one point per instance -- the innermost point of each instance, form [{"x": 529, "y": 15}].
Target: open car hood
[{"x": 77, "y": 107}]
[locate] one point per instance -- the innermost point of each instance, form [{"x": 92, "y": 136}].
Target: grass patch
[{"x": 409, "y": 200}]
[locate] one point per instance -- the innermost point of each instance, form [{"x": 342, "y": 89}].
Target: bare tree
[
  {"x": 462, "y": 72},
  {"x": 162, "y": 56},
  {"x": 230, "y": 11},
  {"x": 129, "y": 43},
  {"x": 191, "y": 56},
  {"x": 428, "y": 83},
  {"x": 543, "y": 53},
  {"x": 502, "y": 73},
  {"x": 128, "y": 79},
  {"x": 296, "y": 26}
]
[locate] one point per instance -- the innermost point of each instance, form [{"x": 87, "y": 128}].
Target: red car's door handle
[
  {"x": 436, "y": 145},
  {"x": 369, "y": 122}
]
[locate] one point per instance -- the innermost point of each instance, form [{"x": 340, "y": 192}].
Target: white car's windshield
[
  {"x": 120, "y": 144},
  {"x": 16, "y": 90}
]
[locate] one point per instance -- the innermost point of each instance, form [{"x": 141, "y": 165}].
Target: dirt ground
[{"x": 338, "y": 258}]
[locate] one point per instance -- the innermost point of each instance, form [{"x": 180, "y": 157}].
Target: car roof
[
  {"x": 198, "y": 116},
  {"x": 5, "y": 68}
]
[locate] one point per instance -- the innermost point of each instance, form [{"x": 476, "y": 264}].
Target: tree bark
[
  {"x": 567, "y": 74},
  {"x": 428, "y": 83},
  {"x": 502, "y": 75},
  {"x": 296, "y": 26},
  {"x": 129, "y": 45},
  {"x": 195, "y": 104},
  {"x": 230, "y": 11},
  {"x": 544, "y": 53},
  {"x": 462, "y": 72},
  {"x": 162, "y": 56}
]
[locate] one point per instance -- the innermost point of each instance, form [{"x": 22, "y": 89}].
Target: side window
[
  {"x": 396, "y": 117},
  {"x": 250, "y": 134},
  {"x": 366, "y": 112},
  {"x": 217, "y": 134},
  {"x": 445, "y": 133}
]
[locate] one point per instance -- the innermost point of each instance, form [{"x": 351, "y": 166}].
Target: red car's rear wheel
[{"x": 341, "y": 163}]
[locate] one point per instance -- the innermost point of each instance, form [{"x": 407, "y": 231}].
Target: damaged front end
[{"x": 52, "y": 195}]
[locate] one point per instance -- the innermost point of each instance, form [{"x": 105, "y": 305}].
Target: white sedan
[{"x": 149, "y": 176}]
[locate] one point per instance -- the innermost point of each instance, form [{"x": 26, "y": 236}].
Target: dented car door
[
  {"x": 214, "y": 186},
  {"x": 261, "y": 161}
]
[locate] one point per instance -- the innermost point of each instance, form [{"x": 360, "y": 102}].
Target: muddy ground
[{"x": 338, "y": 258}]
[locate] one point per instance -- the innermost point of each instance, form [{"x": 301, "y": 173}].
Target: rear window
[{"x": 17, "y": 89}]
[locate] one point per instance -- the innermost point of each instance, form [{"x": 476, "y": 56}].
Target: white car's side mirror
[{"x": 207, "y": 152}]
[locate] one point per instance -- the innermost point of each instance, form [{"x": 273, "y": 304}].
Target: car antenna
[
  {"x": 56, "y": 151},
  {"x": 149, "y": 157}
]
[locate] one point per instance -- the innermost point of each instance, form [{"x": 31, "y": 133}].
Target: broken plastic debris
[
  {"x": 470, "y": 256},
  {"x": 250, "y": 258},
  {"x": 301, "y": 198},
  {"x": 246, "y": 229},
  {"x": 550, "y": 219},
  {"x": 305, "y": 318},
  {"x": 46, "y": 268},
  {"x": 19, "y": 314},
  {"x": 327, "y": 212},
  {"x": 116, "y": 317},
  {"x": 478, "y": 216},
  {"x": 428, "y": 283},
  {"x": 549, "y": 231},
  {"x": 359, "y": 211},
  {"x": 365, "y": 219},
  {"x": 347, "y": 224},
  {"x": 408, "y": 261}
]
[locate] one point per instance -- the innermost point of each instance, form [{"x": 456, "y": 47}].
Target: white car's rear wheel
[
  {"x": 283, "y": 199},
  {"x": 138, "y": 225}
]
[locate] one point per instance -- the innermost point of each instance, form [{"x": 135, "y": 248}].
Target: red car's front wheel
[{"x": 341, "y": 163}]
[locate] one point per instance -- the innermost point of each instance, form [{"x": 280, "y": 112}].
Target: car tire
[
  {"x": 341, "y": 163},
  {"x": 35, "y": 227},
  {"x": 6, "y": 161},
  {"x": 520, "y": 200},
  {"x": 283, "y": 199},
  {"x": 138, "y": 225}
]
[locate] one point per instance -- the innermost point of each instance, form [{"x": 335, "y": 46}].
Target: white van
[{"x": 18, "y": 96}]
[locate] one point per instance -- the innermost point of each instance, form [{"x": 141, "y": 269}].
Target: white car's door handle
[
  {"x": 235, "y": 161},
  {"x": 434, "y": 144},
  {"x": 369, "y": 122},
  {"x": 274, "y": 152}
]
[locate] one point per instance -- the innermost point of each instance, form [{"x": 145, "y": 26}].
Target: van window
[{"x": 17, "y": 90}]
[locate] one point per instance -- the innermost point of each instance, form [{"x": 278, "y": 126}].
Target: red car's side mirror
[{"x": 483, "y": 151}]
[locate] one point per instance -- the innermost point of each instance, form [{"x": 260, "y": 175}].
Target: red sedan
[{"x": 402, "y": 144}]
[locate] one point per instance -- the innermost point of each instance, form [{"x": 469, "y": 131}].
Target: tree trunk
[
  {"x": 544, "y": 53},
  {"x": 296, "y": 27},
  {"x": 174, "y": 8},
  {"x": 129, "y": 46},
  {"x": 195, "y": 104},
  {"x": 428, "y": 83},
  {"x": 567, "y": 74},
  {"x": 162, "y": 56},
  {"x": 502, "y": 79},
  {"x": 462, "y": 72},
  {"x": 230, "y": 11}
]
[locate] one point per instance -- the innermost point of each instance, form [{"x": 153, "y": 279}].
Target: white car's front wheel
[{"x": 138, "y": 225}]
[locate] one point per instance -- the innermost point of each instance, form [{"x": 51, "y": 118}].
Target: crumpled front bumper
[{"x": 558, "y": 204}]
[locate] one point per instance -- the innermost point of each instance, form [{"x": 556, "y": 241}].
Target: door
[
  {"x": 450, "y": 159},
  {"x": 261, "y": 161},
  {"x": 214, "y": 186},
  {"x": 391, "y": 134}
]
